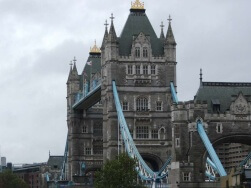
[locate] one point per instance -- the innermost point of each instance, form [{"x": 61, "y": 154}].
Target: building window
[
  {"x": 154, "y": 134},
  {"x": 125, "y": 105},
  {"x": 177, "y": 142},
  {"x": 159, "y": 106},
  {"x": 97, "y": 129},
  {"x": 98, "y": 149},
  {"x": 142, "y": 132},
  {"x": 153, "y": 69},
  {"x": 186, "y": 176},
  {"x": 141, "y": 104},
  {"x": 145, "y": 69},
  {"x": 88, "y": 151},
  {"x": 219, "y": 128},
  {"x": 84, "y": 129},
  {"x": 137, "y": 69},
  {"x": 145, "y": 52},
  {"x": 129, "y": 69},
  {"x": 137, "y": 52}
]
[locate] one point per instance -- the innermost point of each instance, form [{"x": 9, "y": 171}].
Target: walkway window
[
  {"x": 141, "y": 104},
  {"x": 137, "y": 52},
  {"x": 145, "y": 69},
  {"x": 125, "y": 105},
  {"x": 137, "y": 69},
  {"x": 154, "y": 134},
  {"x": 129, "y": 69},
  {"x": 142, "y": 132},
  {"x": 145, "y": 52},
  {"x": 153, "y": 69},
  {"x": 159, "y": 106}
]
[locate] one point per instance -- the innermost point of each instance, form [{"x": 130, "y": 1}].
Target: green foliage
[
  {"x": 10, "y": 180},
  {"x": 118, "y": 173}
]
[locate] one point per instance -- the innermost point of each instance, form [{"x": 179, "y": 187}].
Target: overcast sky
[{"x": 39, "y": 38}]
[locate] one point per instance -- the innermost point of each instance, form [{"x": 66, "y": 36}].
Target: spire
[
  {"x": 169, "y": 36},
  {"x": 74, "y": 72},
  {"x": 105, "y": 35},
  {"x": 200, "y": 77},
  {"x": 112, "y": 37},
  {"x": 162, "y": 36},
  {"x": 70, "y": 73}
]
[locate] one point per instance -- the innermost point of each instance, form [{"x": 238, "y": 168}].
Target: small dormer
[
  {"x": 141, "y": 47},
  {"x": 215, "y": 105}
]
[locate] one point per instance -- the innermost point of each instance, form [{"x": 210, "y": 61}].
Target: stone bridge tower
[{"x": 143, "y": 65}]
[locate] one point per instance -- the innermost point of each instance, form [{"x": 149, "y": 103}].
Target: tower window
[
  {"x": 97, "y": 129},
  {"x": 153, "y": 71},
  {"x": 125, "y": 105},
  {"x": 142, "y": 104},
  {"x": 129, "y": 69},
  {"x": 219, "y": 128},
  {"x": 137, "y": 52},
  {"x": 84, "y": 129},
  {"x": 145, "y": 69},
  {"x": 186, "y": 176},
  {"x": 142, "y": 132},
  {"x": 145, "y": 52},
  {"x": 88, "y": 151},
  {"x": 154, "y": 134},
  {"x": 177, "y": 142},
  {"x": 137, "y": 69},
  {"x": 159, "y": 106}
]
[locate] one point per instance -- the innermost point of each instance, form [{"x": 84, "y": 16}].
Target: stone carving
[{"x": 240, "y": 106}]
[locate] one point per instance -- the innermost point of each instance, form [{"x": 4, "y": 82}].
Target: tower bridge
[{"x": 126, "y": 95}]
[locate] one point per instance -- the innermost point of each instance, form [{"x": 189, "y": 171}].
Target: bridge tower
[{"x": 142, "y": 65}]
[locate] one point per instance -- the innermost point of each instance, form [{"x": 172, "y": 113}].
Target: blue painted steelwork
[
  {"x": 244, "y": 162},
  {"x": 174, "y": 95},
  {"x": 63, "y": 168},
  {"x": 142, "y": 168},
  {"x": 210, "y": 149},
  {"x": 82, "y": 97},
  {"x": 210, "y": 170}
]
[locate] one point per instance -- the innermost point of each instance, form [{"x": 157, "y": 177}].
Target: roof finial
[
  {"x": 161, "y": 25},
  {"x": 137, "y": 5},
  {"x": 169, "y": 19},
  {"x": 112, "y": 17},
  {"x": 200, "y": 76},
  {"x": 106, "y": 24},
  {"x": 74, "y": 60},
  {"x": 49, "y": 153},
  {"x": 95, "y": 49},
  {"x": 71, "y": 64}
]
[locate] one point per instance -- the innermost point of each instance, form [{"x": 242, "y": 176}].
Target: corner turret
[{"x": 170, "y": 44}]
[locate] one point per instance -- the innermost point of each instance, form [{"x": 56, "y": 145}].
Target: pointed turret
[
  {"x": 74, "y": 73},
  {"x": 105, "y": 36},
  {"x": 170, "y": 44},
  {"x": 112, "y": 37},
  {"x": 111, "y": 47},
  {"x": 70, "y": 72},
  {"x": 162, "y": 36},
  {"x": 169, "y": 36}
]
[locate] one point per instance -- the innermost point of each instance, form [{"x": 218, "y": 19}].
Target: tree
[
  {"x": 118, "y": 173},
  {"x": 10, "y": 180}
]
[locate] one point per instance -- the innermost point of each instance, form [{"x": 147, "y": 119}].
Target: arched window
[
  {"x": 145, "y": 53},
  {"x": 142, "y": 104},
  {"x": 137, "y": 52}
]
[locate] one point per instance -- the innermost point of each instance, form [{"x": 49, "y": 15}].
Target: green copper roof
[
  {"x": 138, "y": 22},
  {"x": 221, "y": 92}
]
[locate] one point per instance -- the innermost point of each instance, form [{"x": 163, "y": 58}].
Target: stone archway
[
  {"x": 153, "y": 161},
  {"x": 233, "y": 138}
]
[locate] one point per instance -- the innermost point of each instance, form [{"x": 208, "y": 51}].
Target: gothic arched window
[
  {"x": 137, "y": 52},
  {"x": 142, "y": 104},
  {"x": 145, "y": 52}
]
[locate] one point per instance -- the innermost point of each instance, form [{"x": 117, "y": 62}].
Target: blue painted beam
[
  {"x": 173, "y": 92},
  {"x": 210, "y": 149}
]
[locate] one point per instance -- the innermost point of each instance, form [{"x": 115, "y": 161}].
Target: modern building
[{"x": 143, "y": 65}]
